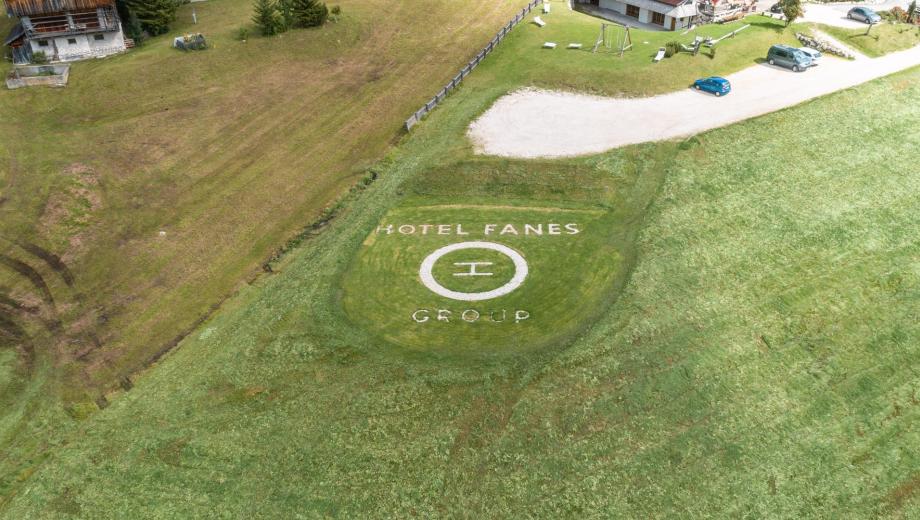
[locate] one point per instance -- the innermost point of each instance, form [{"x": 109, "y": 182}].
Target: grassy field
[
  {"x": 161, "y": 181},
  {"x": 746, "y": 352},
  {"x": 883, "y": 38},
  {"x": 157, "y": 183},
  {"x": 757, "y": 361}
]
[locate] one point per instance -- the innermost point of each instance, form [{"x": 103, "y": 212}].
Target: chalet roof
[
  {"x": 673, "y": 8},
  {"x": 672, "y": 3},
  {"x": 33, "y": 7},
  {"x": 16, "y": 33}
]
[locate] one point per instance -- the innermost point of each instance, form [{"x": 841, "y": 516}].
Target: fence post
[{"x": 465, "y": 71}]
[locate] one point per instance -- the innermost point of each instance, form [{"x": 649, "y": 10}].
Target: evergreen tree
[
  {"x": 286, "y": 8},
  {"x": 912, "y": 12},
  {"x": 267, "y": 17},
  {"x": 129, "y": 22},
  {"x": 154, "y": 15},
  {"x": 309, "y": 13}
]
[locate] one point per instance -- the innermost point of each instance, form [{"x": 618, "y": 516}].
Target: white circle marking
[{"x": 520, "y": 272}]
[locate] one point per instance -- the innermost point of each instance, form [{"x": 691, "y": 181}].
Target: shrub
[
  {"x": 898, "y": 14},
  {"x": 39, "y": 58},
  {"x": 671, "y": 48},
  {"x": 242, "y": 34},
  {"x": 336, "y": 10}
]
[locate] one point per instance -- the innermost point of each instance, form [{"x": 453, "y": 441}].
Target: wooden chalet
[{"x": 64, "y": 30}]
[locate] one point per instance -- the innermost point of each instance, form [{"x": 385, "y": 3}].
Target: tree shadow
[{"x": 768, "y": 23}]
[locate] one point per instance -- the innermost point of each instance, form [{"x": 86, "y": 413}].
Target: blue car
[
  {"x": 716, "y": 85},
  {"x": 864, "y": 14}
]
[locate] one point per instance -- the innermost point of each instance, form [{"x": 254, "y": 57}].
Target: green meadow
[
  {"x": 880, "y": 40},
  {"x": 732, "y": 332}
]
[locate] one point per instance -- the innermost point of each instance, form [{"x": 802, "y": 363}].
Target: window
[
  {"x": 658, "y": 19},
  {"x": 72, "y": 41},
  {"x": 42, "y": 43},
  {"x": 98, "y": 37},
  {"x": 632, "y": 10}
]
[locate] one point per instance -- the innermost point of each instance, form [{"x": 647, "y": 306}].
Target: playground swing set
[{"x": 613, "y": 34}]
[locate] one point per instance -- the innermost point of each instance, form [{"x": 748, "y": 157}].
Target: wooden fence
[{"x": 465, "y": 71}]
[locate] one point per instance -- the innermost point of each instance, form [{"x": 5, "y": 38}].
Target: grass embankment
[
  {"x": 758, "y": 362},
  {"x": 882, "y": 38}
]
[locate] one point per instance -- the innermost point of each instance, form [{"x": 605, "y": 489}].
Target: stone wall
[{"x": 38, "y": 75}]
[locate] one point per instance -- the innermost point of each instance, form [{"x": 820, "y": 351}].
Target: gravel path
[{"x": 538, "y": 123}]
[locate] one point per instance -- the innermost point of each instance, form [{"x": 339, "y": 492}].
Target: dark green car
[{"x": 789, "y": 57}]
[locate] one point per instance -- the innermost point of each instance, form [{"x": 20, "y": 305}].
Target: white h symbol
[{"x": 472, "y": 271}]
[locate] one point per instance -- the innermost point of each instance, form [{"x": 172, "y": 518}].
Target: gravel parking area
[{"x": 538, "y": 123}]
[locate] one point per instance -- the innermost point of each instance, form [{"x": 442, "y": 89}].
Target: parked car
[
  {"x": 776, "y": 8},
  {"x": 714, "y": 84},
  {"x": 864, "y": 14},
  {"x": 814, "y": 54},
  {"x": 789, "y": 57}
]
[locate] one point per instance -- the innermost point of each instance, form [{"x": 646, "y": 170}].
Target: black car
[{"x": 776, "y": 8}]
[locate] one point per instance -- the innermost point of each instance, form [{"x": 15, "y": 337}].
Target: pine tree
[
  {"x": 309, "y": 13},
  {"x": 153, "y": 15},
  {"x": 266, "y": 17}
]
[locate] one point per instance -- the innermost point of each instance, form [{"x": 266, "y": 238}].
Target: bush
[
  {"x": 336, "y": 10},
  {"x": 242, "y": 34},
  {"x": 671, "y": 48},
  {"x": 39, "y": 58},
  {"x": 896, "y": 14}
]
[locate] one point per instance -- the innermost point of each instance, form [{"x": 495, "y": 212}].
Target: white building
[
  {"x": 668, "y": 14},
  {"x": 64, "y": 30}
]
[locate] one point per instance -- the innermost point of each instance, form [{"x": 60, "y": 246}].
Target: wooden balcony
[{"x": 65, "y": 24}]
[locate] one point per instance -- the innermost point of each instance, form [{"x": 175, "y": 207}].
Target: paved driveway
[{"x": 539, "y": 123}]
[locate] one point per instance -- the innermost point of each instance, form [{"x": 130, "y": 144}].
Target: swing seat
[
  {"x": 574, "y": 46},
  {"x": 660, "y": 55},
  {"x": 549, "y": 45},
  {"x": 539, "y": 21},
  {"x": 546, "y": 8}
]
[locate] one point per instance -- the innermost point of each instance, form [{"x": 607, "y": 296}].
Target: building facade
[
  {"x": 64, "y": 30},
  {"x": 670, "y": 15}
]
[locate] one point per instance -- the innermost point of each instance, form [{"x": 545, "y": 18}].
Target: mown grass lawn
[
  {"x": 757, "y": 363},
  {"x": 164, "y": 179},
  {"x": 882, "y": 38},
  {"x": 633, "y": 74},
  {"x": 751, "y": 356}
]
